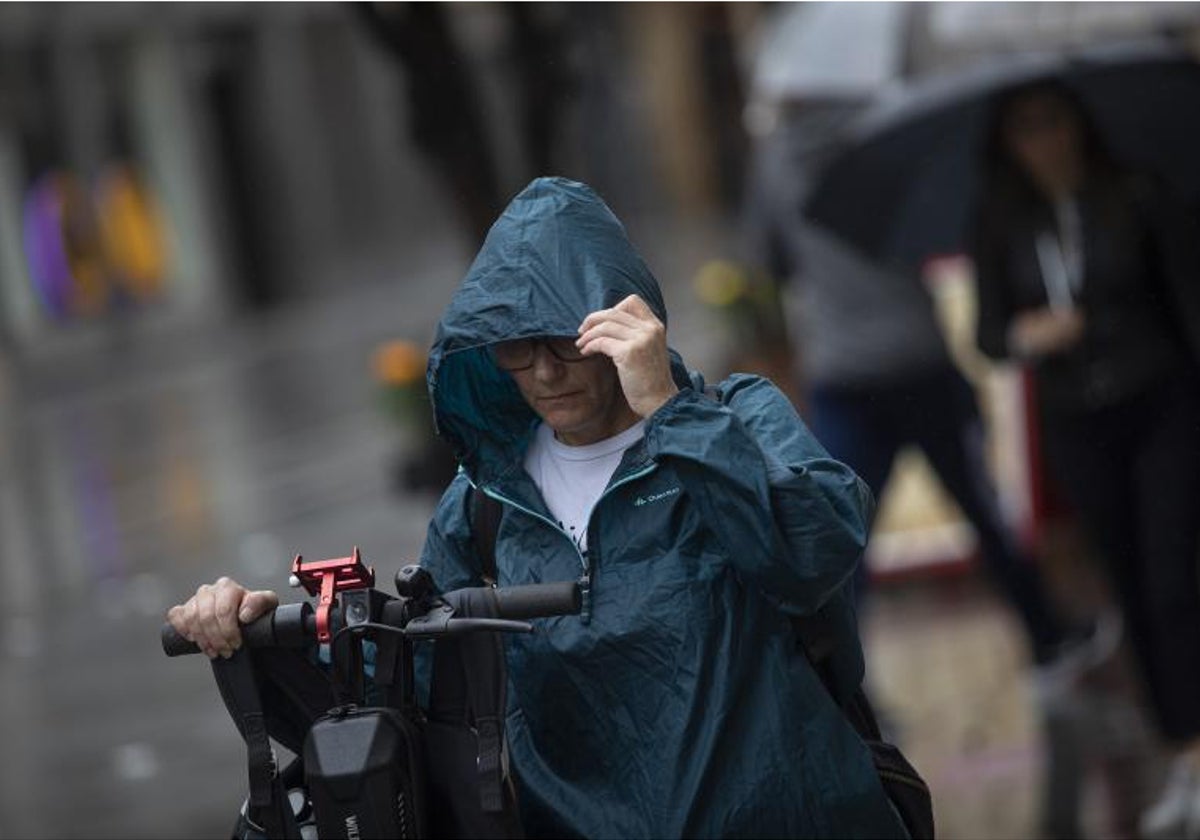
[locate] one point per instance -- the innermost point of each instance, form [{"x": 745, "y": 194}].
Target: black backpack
[{"x": 817, "y": 640}]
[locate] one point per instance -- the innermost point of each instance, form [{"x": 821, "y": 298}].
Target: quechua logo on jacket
[{"x": 654, "y": 497}]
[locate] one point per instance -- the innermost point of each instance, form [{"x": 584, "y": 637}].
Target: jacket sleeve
[
  {"x": 793, "y": 521},
  {"x": 449, "y": 554},
  {"x": 1175, "y": 242}
]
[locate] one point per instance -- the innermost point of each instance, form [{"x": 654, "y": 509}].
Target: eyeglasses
[{"x": 518, "y": 354}]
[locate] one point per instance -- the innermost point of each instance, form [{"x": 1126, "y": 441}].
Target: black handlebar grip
[
  {"x": 538, "y": 600},
  {"x": 174, "y": 644},
  {"x": 260, "y": 633}
]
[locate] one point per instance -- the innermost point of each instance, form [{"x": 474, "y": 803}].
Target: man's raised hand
[{"x": 632, "y": 336}]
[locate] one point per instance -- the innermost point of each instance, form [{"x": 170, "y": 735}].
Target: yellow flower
[
  {"x": 399, "y": 363},
  {"x": 720, "y": 283}
]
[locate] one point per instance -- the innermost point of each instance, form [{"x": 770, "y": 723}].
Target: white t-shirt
[{"x": 572, "y": 478}]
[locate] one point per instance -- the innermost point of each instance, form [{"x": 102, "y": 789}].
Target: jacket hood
[{"x": 556, "y": 254}]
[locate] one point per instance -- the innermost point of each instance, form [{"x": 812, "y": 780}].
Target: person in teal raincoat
[{"x": 676, "y": 704}]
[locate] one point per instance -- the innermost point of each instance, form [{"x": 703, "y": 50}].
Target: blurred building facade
[
  {"x": 274, "y": 151},
  {"x": 252, "y": 131}
]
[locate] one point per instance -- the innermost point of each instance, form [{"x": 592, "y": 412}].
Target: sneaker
[
  {"x": 1080, "y": 654},
  {"x": 1176, "y": 814}
]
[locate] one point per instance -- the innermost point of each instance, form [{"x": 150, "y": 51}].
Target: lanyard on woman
[{"x": 1060, "y": 258}]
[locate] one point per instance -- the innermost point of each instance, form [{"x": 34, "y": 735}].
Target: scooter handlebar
[
  {"x": 294, "y": 625},
  {"x": 538, "y": 600},
  {"x": 289, "y": 625}
]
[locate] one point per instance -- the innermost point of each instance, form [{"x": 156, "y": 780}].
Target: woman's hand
[
  {"x": 1045, "y": 332},
  {"x": 633, "y": 337},
  {"x": 212, "y": 618}
]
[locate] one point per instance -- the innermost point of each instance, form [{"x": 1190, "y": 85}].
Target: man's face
[{"x": 579, "y": 398}]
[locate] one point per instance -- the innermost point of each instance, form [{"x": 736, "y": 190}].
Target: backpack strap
[
  {"x": 485, "y": 525},
  {"x": 268, "y": 805},
  {"x": 470, "y": 678},
  {"x": 485, "y": 679},
  {"x": 469, "y": 689}
]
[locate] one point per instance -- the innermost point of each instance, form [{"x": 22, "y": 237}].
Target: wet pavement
[{"x": 128, "y": 485}]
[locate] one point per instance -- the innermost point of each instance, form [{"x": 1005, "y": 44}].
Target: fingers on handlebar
[
  {"x": 257, "y": 603},
  {"x": 211, "y": 617},
  {"x": 219, "y": 616},
  {"x": 183, "y": 619},
  {"x": 176, "y": 616}
]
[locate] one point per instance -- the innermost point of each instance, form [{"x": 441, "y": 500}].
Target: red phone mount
[{"x": 326, "y": 578}]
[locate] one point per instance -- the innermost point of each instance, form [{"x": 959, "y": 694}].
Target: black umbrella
[{"x": 904, "y": 187}]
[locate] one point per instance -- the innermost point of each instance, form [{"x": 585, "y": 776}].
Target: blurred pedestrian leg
[{"x": 938, "y": 413}]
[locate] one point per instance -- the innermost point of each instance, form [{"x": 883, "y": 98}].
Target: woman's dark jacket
[{"x": 1140, "y": 295}]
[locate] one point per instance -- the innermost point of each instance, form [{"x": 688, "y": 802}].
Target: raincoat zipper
[
  {"x": 585, "y": 583},
  {"x": 585, "y": 579}
]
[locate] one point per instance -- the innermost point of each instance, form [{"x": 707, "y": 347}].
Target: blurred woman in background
[{"x": 1091, "y": 276}]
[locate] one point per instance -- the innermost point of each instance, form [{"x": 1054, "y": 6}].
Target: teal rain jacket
[{"x": 676, "y": 704}]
